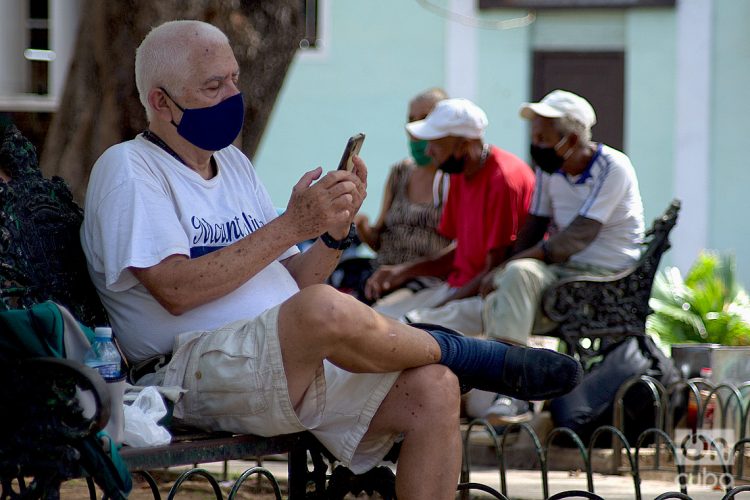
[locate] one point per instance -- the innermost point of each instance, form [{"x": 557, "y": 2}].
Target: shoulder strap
[{"x": 440, "y": 184}]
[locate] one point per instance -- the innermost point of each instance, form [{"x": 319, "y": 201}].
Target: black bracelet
[{"x": 342, "y": 244}]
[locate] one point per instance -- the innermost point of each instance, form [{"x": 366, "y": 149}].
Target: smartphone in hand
[{"x": 353, "y": 146}]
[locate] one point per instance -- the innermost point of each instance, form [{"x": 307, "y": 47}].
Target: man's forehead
[
  {"x": 543, "y": 124},
  {"x": 446, "y": 141},
  {"x": 211, "y": 60},
  {"x": 202, "y": 51}
]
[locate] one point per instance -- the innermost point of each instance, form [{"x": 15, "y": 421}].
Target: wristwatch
[{"x": 342, "y": 244}]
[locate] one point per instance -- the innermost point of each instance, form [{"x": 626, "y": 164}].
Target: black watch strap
[{"x": 342, "y": 244}]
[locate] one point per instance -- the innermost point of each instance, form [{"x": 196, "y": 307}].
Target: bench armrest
[{"x": 50, "y": 388}]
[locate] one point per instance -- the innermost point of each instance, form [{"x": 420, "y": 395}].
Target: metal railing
[
  {"x": 670, "y": 446},
  {"x": 728, "y": 456}
]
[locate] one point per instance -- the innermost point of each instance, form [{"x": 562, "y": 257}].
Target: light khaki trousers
[
  {"x": 513, "y": 310},
  {"x": 463, "y": 315}
]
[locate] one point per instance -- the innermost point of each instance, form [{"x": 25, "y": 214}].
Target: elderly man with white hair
[
  {"x": 586, "y": 200},
  {"x": 191, "y": 262}
]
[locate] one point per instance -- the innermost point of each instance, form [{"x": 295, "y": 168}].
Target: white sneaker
[{"x": 506, "y": 410}]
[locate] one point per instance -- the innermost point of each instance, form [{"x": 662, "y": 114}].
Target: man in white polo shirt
[{"x": 586, "y": 201}]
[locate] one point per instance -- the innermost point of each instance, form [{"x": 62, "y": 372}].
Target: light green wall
[
  {"x": 729, "y": 224},
  {"x": 380, "y": 55},
  {"x": 505, "y": 62},
  {"x": 504, "y": 80},
  {"x": 650, "y": 73},
  {"x": 579, "y": 29},
  {"x": 647, "y": 38}
]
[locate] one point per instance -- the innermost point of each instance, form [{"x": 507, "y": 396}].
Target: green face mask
[{"x": 417, "y": 149}]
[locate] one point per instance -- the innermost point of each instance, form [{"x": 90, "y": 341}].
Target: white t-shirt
[
  {"x": 142, "y": 206},
  {"x": 607, "y": 191}
]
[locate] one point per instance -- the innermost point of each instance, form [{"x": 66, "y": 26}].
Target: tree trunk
[{"x": 100, "y": 105}]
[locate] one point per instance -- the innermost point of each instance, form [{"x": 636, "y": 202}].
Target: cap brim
[
  {"x": 422, "y": 130},
  {"x": 531, "y": 109}
]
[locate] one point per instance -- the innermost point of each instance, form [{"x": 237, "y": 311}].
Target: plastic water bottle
[{"x": 103, "y": 355}]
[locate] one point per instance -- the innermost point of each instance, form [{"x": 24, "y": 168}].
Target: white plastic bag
[{"x": 141, "y": 428}]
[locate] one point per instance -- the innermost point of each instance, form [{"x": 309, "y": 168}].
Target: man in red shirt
[{"x": 487, "y": 203}]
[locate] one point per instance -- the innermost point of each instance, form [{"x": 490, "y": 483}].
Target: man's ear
[
  {"x": 573, "y": 140},
  {"x": 159, "y": 103}
]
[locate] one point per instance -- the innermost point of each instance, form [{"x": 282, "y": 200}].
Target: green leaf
[{"x": 708, "y": 305}]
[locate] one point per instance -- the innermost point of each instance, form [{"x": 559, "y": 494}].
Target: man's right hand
[
  {"x": 487, "y": 285},
  {"x": 385, "y": 279},
  {"x": 329, "y": 203}
]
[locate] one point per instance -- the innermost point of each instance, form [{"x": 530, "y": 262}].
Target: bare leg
[
  {"x": 424, "y": 405},
  {"x": 321, "y": 323}
]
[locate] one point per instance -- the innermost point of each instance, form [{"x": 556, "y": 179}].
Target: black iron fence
[{"x": 707, "y": 428}]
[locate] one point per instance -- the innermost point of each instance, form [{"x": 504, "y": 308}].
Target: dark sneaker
[{"x": 537, "y": 374}]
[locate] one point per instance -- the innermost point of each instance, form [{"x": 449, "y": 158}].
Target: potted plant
[{"x": 700, "y": 315}]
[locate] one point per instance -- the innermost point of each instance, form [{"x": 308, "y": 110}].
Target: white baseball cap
[
  {"x": 451, "y": 117},
  {"x": 560, "y": 103}
]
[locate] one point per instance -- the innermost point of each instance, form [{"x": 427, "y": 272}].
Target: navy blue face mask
[{"x": 212, "y": 128}]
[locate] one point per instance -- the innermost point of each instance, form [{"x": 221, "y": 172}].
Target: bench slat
[{"x": 208, "y": 450}]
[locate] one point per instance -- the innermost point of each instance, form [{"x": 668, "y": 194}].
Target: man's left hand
[
  {"x": 358, "y": 196},
  {"x": 360, "y": 170}
]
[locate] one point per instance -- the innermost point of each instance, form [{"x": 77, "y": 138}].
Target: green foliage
[{"x": 707, "y": 306}]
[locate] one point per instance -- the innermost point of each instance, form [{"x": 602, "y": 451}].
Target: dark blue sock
[
  {"x": 469, "y": 358},
  {"x": 519, "y": 372}
]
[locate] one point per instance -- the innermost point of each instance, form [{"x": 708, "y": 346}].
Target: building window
[
  {"x": 38, "y": 52},
  {"x": 310, "y": 24}
]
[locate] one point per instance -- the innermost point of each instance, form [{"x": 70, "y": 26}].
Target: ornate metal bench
[
  {"x": 593, "y": 312},
  {"x": 41, "y": 425}
]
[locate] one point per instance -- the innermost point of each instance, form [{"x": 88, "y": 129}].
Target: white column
[
  {"x": 64, "y": 19},
  {"x": 461, "y": 52},
  {"x": 13, "y": 40},
  {"x": 692, "y": 129}
]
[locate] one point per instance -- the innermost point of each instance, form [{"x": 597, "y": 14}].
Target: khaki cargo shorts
[{"x": 236, "y": 382}]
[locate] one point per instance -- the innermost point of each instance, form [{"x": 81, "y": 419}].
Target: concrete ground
[
  {"x": 524, "y": 479},
  {"x": 527, "y": 485}
]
